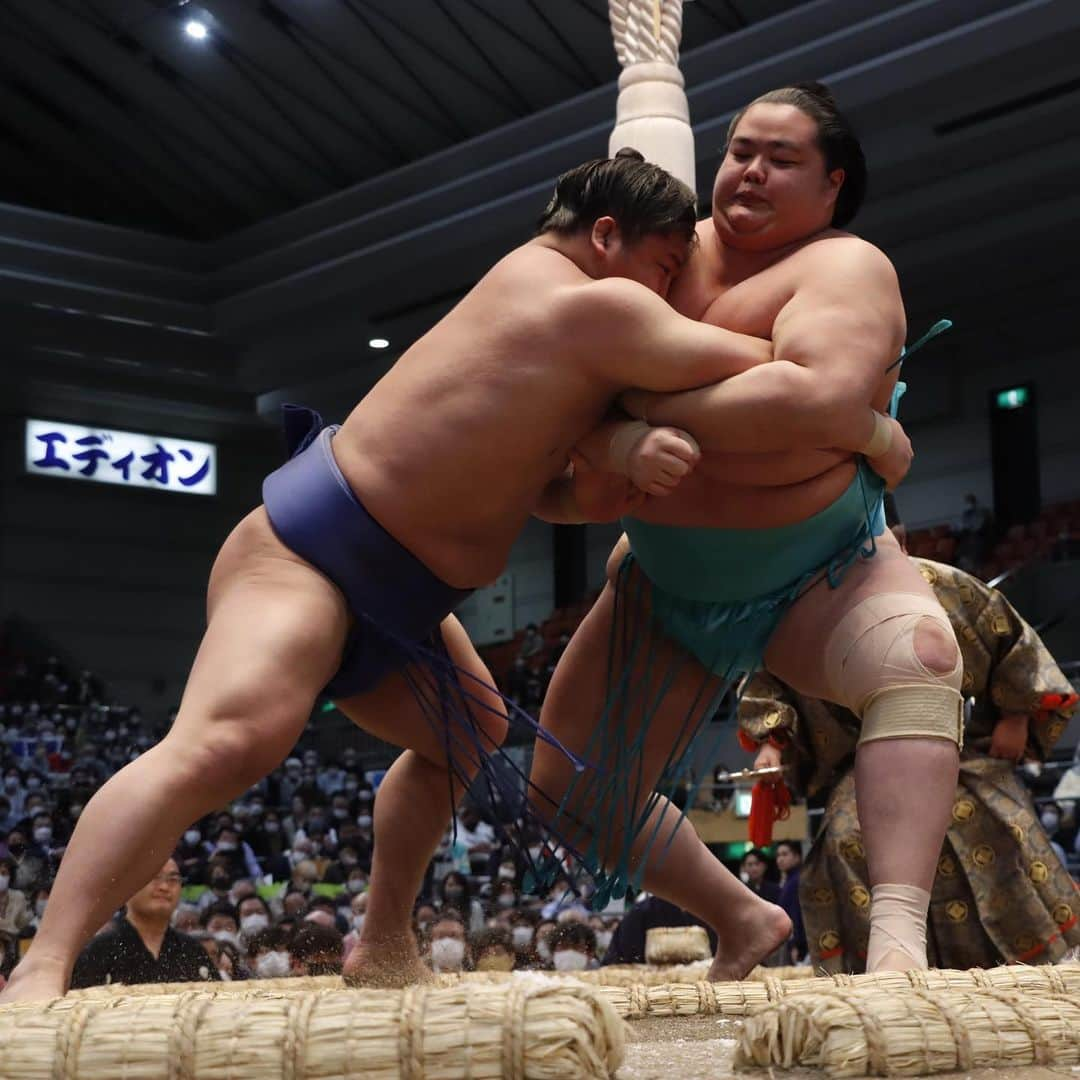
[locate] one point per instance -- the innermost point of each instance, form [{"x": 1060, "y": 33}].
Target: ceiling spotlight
[
  {"x": 195, "y": 29},
  {"x": 378, "y": 343}
]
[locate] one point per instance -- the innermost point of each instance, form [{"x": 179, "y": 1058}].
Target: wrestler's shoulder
[{"x": 839, "y": 250}]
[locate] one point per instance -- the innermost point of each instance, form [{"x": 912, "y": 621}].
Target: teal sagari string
[{"x": 604, "y": 812}]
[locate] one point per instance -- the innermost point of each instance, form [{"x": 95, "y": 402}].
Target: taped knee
[{"x": 881, "y": 662}]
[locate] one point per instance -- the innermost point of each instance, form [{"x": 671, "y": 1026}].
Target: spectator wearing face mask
[
  {"x": 31, "y": 866},
  {"x": 270, "y": 846},
  {"x": 457, "y": 896},
  {"x": 316, "y": 950},
  {"x": 41, "y": 902},
  {"x": 236, "y": 854},
  {"x": 1050, "y": 819},
  {"x": 188, "y": 920},
  {"x": 220, "y": 881},
  {"x": 291, "y": 779},
  {"x": 7, "y": 819},
  {"x": 191, "y": 855},
  {"x": 448, "y": 950},
  {"x": 504, "y": 898},
  {"x": 522, "y": 929},
  {"x": 141, "y": 946},
  {"x": 573, "y": 947},
  {"x": 254, "y": 914},
  {"x": 542, "y": 943},
  {"x": 492, "y": 949},
  {"x": 268, "y": 954}
]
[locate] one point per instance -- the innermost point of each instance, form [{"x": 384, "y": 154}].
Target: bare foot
[
  {"x": 388, "y": 964},
  {"x": 34, "y": 983},
  {"x": 758, "y": 930}
]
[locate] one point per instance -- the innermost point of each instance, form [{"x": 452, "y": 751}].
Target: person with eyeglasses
[{"x": 141, "y": 946}]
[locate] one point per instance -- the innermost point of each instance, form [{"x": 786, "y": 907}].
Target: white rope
[{"x": 634, "y": 26}]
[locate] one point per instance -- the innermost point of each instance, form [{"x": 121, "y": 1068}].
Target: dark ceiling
[{"x": 110, "y": 111}]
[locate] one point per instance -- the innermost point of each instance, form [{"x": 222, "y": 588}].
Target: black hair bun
[
  {"x": 631, "y": 153},
  {"x": 817, "y": 90}
]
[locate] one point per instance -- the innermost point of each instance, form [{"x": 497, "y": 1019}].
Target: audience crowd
[{"x": 275, "y": 883}]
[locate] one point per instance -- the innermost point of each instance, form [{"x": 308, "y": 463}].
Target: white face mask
[
  {"x": 272, "y": 965},
  {"x": 522, "y": 935},
  {"x": 43, "y": 834},
  {"x": 570, "y": 960},
  {"x": 507, "y": 873},
  {"x": 225, "y": 935},
  {"x": 543, "y": 949},
  {"x": 1050, "y": 821},
  {"x": 192, "y": 837},
  {"x": 357, "y": 885},
  {"x": 447, "y": 954},
  {"x": 252, "y": 924},
  {"x": 5, "y": 881},
  {"x": 603, "y": 940},
  {"x": 358, "y": 922},
  {"x": 39, "y": 907},
  {"x": 364, "y": 821}
]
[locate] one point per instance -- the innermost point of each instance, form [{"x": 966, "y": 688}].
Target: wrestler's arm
[
  {"x": 831, "y": 341},
  {"x": 582, "y": 494},
  {"x": 629, "y": 336}
]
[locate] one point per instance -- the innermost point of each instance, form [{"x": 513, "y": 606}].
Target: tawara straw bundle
[
  {"x": 546, "y": 1031},
  {"x": 676, "y": 944},
  {"x": 917, "y": 1032}
]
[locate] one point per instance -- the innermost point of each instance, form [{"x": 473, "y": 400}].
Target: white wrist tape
[
  {"x": 626, "y": 437},
  {"x": 881, "y": 439}
]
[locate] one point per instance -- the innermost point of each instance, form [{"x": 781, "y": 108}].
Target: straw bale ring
[
  {"x": 542, "y": 1030},
  {"x": 855, "y": 1032}
]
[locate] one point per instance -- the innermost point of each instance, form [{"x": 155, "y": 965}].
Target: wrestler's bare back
[
  {"x": 757, "y": 490},
  {"x": 453, "y": 446}
]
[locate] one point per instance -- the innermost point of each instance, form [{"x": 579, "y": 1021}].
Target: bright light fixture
[
  {"x": 378, "y": 343},
  {"x": 195, "y": 29}
]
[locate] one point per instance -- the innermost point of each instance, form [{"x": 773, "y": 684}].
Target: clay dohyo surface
[{"x": 702, "y": 1047}]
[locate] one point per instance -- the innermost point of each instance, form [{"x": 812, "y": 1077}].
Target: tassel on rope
[{"x": 770, "y": 801}]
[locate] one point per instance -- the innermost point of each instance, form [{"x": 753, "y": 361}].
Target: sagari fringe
[{"x": 543, "y": 1031}]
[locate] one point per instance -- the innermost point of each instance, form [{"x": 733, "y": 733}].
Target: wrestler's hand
[
  {"x": 769, "y": 757},
  {"x": 603, "y": 496},
  {"x": 893, "y": 465},
  {"x": 1009, "y": 738},
  {"x": 661, "y": 458}
]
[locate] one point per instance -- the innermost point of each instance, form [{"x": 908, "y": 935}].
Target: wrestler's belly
[{"x": 709, "y": 498}]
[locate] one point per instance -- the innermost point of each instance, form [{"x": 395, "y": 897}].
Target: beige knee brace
[{"x": 873, "y": 669}]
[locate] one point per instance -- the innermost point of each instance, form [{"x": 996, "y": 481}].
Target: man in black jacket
[{"x": 141, "y": 946}]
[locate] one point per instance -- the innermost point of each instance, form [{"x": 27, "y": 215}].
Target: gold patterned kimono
[{"x": 1001, "y": 894}]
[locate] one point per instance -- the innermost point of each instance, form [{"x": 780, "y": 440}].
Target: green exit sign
[{"x": 1014, "y": 398}]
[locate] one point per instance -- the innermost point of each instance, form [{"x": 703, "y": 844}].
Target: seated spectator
[
  {"x": 191, "y": 856},
  {"x": 15, "y": 915},
  {"x": 31, "y": 865},
  {"x": 457, "y": 896},
  {"x": 573, "y": 947},
  {"x": 755, "y": 875},
  {"x": 293, "y": 905},
  {"x": 789, "y": 863},
  {"x": 230, "y": 965},
  {"x": 254, "y": 914},
  {"x": 188, "y": 919},
  {"x": 492, "y": 949},
  {"x": 7, "y": 819},
  {"x": 448, "y": 950},
  {"x": 505, "y": 897},
  {"x": 141, "y": 946},
  {"x": 41, "y": 901},
  {"x": 561, "y": 897},
  {"x": 234, "y": 854},
  {"x": 532, "y": 645},
  {"x": 220, "y": 882},
  {"x": 323, "y": 911},
  {"x": 268, "y": 954},
  {"x": 542, "y": 942},
  {"x": 522, "y": 929},
  {"x": 220, "y": 922},
  {"x": 316, "y": 950},
  {"x": 241, "y": 889}
]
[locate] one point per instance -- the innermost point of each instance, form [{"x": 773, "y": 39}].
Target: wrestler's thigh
[
  {"x": 796, "y": 651},
  {"x": 274, "y": 639},
  {"x": 663, "y": 681},
  {"x": 391, "y": 710}
]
